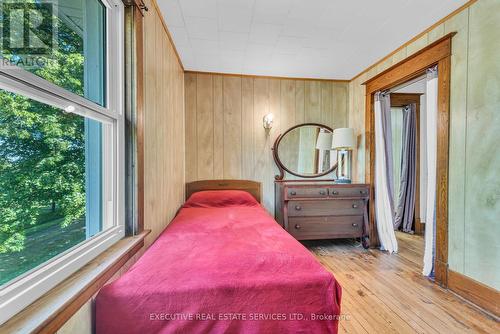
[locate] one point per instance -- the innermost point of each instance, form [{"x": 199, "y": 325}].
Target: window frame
[{"x": 22, "y": 291}]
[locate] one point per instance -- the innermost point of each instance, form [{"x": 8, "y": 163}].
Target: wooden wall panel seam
[
  {"x": 163, "y": 130},
  {"x": 213, "y": 124},
  {"x": 167, "y": 32},
  {"x": 242, "y": 125},
  {"x": 465, "y": 140}
]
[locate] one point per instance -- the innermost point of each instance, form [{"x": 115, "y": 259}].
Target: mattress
[{"x": 223, "y": 265}]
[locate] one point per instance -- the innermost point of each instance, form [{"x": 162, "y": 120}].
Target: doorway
[
  {"x": 410, "y": 97},
  {"x": 437, "y": 53},
  {"x": 409, "y": 169}
]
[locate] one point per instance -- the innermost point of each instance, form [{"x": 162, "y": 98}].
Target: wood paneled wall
[
  {"x": 163, "y": 126},
  {"x": 224, "y": 133}
]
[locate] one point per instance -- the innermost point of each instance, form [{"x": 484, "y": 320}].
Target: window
[
  {"x": 61, "y": 142},
  {"x": 62, "y": 41}
]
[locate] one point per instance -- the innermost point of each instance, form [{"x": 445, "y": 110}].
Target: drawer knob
[
  {"x": 293, "y": 193},
  {"x": 321, "y": 192},
  {"x": 354, "y": 206},
  {"x": 297, "y": 226},
  {"x": 298, "y": 207},
  {"x": 354, "y": 224},
  {"x": 363, "y": 192},
  {"x": 335, "y": 192}
]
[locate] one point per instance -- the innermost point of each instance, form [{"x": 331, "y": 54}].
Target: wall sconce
[{"x": 268, "y": 121}]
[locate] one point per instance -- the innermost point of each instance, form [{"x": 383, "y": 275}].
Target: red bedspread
[{"x": 224, "y": 269}]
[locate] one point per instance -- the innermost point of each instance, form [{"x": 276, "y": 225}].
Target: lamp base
[{"x": 344, "y": 159}]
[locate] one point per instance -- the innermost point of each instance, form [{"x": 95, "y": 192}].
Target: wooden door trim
[
  {"x": 412, "y": 66},
  {"x": 404, "y": 99},
  {"x": 437, "y": 53}
]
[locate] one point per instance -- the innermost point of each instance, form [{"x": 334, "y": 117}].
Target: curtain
[
  {"x": 385, "y": 107},
  {"x": 397, "y": 146},
  {"x": 405, "y": 209},
  {"x": 383, "y": 173},
  {"x": 423, "y": 159},
  {"x": 430, "y": 215}
]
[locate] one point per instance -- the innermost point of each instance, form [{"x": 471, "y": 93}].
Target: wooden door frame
[{"x": 438, "y": 53}]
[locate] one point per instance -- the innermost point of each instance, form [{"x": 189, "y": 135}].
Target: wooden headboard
[{"x": 251, "y": 187}]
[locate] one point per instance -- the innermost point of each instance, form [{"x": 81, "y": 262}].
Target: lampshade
[
  {"x": 268, "y": 121},
  {"x": 343, "y": 138},
  {"x": 324, "y": 141}
]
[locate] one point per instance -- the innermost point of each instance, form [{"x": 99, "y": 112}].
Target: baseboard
[{"x": 482, "y": 295}]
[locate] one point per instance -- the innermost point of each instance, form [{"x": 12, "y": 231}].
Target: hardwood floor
[{"x": 385, "y": 293}]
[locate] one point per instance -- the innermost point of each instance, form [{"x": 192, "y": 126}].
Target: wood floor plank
[
  {"x": 395, "y": 290},
  {"x": 443, "y": 302},
  {"x": 399, "y": 306},
  {"x": 354, "y": 324},
  {"x": 373, "y": 292},
  {"x": 385, "y": 293}
]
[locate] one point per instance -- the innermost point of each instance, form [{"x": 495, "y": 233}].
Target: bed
[{"x": 223, "y": 265}]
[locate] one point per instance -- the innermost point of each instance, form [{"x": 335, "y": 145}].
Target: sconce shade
[
  {"x": 324, "y": 141},
  {"x": 343, "y": 138},
  {"x": 268, "y": 121}
]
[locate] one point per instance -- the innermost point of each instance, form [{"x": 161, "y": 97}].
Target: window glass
[
  {"x": 62, "y": 41},
  {"x": 50, "y": 182},
  {"x": 61, "y": 156}
]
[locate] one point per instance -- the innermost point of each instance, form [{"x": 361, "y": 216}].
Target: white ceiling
[{"x": 331, "y": 39}]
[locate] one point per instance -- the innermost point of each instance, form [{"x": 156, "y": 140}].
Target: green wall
[
  {"x": 474, "y": 204},
  {"x": 474, "y": 180}
]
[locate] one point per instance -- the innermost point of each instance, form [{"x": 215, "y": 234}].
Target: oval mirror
[{"x": 305, "y": 151}]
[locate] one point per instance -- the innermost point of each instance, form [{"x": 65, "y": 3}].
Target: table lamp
[
  {"x": 324, "y": 144},
  {"x": 343, "y": 141}
]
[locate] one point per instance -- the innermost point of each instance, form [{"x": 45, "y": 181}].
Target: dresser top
[{"x": 317, "y": 183}]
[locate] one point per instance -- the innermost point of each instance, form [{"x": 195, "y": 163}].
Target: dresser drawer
[
  {"x": 341, "y": 207},
  {"x": 348, "y": 192},
  {"x": 303, "y": 228},
  {"x": 310, "y": 192}
]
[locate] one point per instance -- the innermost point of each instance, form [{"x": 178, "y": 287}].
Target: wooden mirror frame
[{"x": 282, "y": 168}]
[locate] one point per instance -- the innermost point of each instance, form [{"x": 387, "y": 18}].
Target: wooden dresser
[{"x": 321, "y": 209}]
